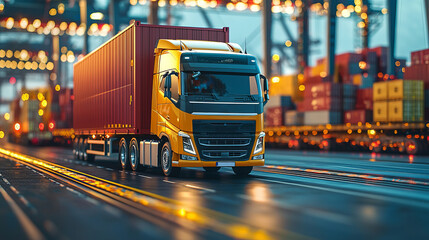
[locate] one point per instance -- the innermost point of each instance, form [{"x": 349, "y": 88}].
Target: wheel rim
[
  {"x": 81, "y": 150},
  {"x": 133, "y": 156},
  {"x": 122, "y": 155},
  {"x": 165, "y": 159}
]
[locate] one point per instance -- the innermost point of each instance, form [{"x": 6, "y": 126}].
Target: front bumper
[{"x": 189, "y": 163}]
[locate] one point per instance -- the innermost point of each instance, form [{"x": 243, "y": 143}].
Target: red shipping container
[
  {"x": 323, "y": 103},
  {"x": 345, "y": 58},
  {"x": 273, "y": 117},
  {"x": 324, "y": 89},
  {"x": 113, "y": 85},
  {"x": 364, "y": 99},
  {"x": 357, "y": 116},
  {"x": 424, "y": 56},
  {"x": 416, "y": 57},
  {"x": 315, "y": 79},
  {"x": 381, "y": 51}
]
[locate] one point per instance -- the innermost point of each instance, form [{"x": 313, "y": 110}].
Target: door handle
[{"x": 167, "y": 117}]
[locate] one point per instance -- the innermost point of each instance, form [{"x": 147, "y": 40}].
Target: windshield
[{"x": 220, "y": 84}]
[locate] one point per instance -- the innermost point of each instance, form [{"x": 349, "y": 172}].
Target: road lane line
[
  {"x": 168, "y": 181},
  {"x": 143, "y": 176},
  {"x": 30, "y": 229},
  {"x": 6, "y": 181},
  {"x": 345, "y": 174},
  {"x": 353, "y": 193},
  {"x": 200, "y": 188}
]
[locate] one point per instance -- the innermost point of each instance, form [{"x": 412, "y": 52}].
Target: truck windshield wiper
[
  {"x": 247, "y": 98},
  {"x": 205, "y": 95}
]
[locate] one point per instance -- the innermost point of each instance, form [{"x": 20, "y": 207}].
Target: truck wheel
[
  {"x": 81, "y": 149},
  {"x": 211, "y": 169},
  {"x": 135, "y": 155},
  {"x": 76, "y": 148},
  {"x": 166, "y": 162},
  {"x": 242, "y": 171},
  {"x": 87, "y": 157},
  {"x": 124, "y": 158}
]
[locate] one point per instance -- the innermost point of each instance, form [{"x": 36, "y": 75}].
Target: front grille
[
  {"x": 224, "y": 153},
  {"x": 218, "y": 140},
  {"x": 224, "y": 141}
]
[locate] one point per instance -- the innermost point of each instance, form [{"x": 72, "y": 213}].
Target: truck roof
[{"x": 169, "y": 44}]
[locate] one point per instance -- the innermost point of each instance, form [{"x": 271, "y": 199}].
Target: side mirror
[
  {"x": 167, "y": 86},
  {"x": 266, "y": 90}
]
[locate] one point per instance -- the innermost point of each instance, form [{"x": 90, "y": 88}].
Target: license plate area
[{"x": 225, "y": 164}]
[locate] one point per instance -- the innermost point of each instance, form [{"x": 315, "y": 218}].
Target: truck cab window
[
  {"x": 174, "y": 87},
  {"x": 162, "y": 82}
]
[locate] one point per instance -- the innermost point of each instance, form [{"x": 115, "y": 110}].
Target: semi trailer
[{"x": 170, "y": 97}]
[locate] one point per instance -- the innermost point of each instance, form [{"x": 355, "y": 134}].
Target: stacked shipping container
[
  {"x": 419, "y": 70},
  {"x": 348, "y": 96},
  {"x": 398, "y": 101}
]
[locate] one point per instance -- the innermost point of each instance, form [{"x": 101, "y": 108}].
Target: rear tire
[
  {"x": 81, "y": 149},
  {"x": 242, "y": 171},
  {"x": 134, "y": 154},
  {"x": 212, "y": 169},
  {"x": 123, "y": 155},
  {"x": 166, "y": 161},
  {"x": 76, "y": 148}
]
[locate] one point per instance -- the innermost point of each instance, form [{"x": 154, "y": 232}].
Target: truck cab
[{"x": 207, "y": 106}]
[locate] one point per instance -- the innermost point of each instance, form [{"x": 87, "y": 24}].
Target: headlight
[
  {"x": 186, "y": 157},
  {"x": 187, "y": 143},
  {"x": 259, "y": 143}
]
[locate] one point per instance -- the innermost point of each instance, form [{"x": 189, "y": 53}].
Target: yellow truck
[{"x": 170, "y": 97}]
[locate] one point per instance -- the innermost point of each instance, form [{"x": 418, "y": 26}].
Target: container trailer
[{"x": 170, "y": 97}]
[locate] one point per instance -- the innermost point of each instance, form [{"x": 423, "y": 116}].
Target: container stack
[
  {"x": 419, "y": 70},
  {"x": 322, "y": 104},
  {"x": 398, "y": 101},
  {"x": 357, "y": 93},
  {"x": 275, "y": 109}
]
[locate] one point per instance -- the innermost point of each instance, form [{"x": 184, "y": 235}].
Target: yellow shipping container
[
  {"x": 318, "y": 69},
  {"x": 380, "y": 91},
  {"x": 357, "y": 79},
  {"x": 405, "y": 111},
  {"x": 285, "y": 86},
  {"x": 405, "y": 89},
  {"x": 396, "y": 112},
  {"x": 380, "y": 111}
]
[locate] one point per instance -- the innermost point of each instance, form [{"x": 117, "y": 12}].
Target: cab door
[{"x": 167, "y": 111}]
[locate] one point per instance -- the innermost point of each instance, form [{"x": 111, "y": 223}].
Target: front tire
[
  {"x": 166, "y": 161},
  {"x": 242, "y": 171},
  {"x": 124, "y": 158}
]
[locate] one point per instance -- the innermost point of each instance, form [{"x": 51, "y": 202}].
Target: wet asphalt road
[{"x": 300, "y": 203}]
